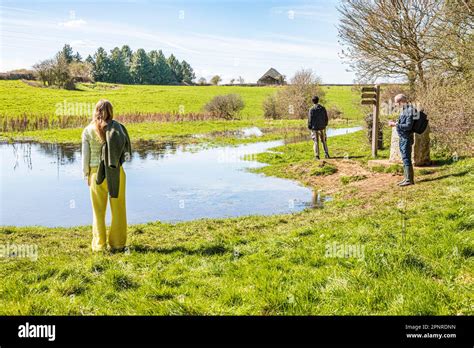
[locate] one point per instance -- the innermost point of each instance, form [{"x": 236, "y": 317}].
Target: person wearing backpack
[
  {"x": 317, "y": 123},
  {"x": 404, "y": 127}
]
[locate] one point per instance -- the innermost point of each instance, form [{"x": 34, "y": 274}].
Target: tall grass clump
[
  {"x": 28, "y": 122},
  {"x": 225, "y": 106}
]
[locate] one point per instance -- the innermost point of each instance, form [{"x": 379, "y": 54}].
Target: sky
[{"x": 230, "y": 38}]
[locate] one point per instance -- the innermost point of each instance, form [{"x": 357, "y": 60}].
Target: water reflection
[
  {"x": 319, "y": 199},
  {"x": 41, "y": 184}
]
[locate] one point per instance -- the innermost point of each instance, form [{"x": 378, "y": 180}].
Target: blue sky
[{"x": 231, "y": 38}]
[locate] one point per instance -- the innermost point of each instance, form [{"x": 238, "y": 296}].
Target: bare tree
[
  {"x": 45, "y": 71},
  {"x": 294, "y": 100},
  {"x": 453, "y": 40},
  {"x": 389, "y": 37},
  {"x": 55, "y": 72}
]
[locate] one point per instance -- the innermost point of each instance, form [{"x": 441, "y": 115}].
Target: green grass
[
  {"x": 346, "y": 99},
  {"x": 323, "y": 169},
  {"x": 352, "y": 178},
  {"x": 18, "y": 98},
  {"x": 272, "y": 265}
]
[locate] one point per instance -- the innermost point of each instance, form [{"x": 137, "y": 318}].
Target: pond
[{"x": 41, "y": 184}]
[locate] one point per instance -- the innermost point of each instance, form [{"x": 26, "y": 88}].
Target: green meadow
[
  {"x": 18, "y": 98},
  {"x": 413, "y": 246}
]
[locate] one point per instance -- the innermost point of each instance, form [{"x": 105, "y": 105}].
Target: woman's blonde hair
[{"x": 103, "y": 114}]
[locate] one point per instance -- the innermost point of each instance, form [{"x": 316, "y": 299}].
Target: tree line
[{"x": 121, "y": 65}]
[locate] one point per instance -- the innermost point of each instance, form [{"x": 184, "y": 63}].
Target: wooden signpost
[{"x": 371, "y": 96}]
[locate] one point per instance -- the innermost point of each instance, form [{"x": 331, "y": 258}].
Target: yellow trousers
[{"x": 117, "y": 237}]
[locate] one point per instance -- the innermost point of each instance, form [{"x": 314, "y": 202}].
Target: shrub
[
  {"x": 450, "y": 110},
  {"x": 225, "y": 106},
  {"x": 270, "y": 108},
  {"x": 20, "y": 74},
  {"x": 294, "y": 100}
]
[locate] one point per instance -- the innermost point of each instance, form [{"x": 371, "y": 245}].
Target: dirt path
[{"x": 350, "y": 178}]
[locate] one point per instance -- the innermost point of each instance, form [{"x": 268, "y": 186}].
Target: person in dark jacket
[
  {"x": 404, "y": 127},
  {"x": 317, "y": 123}
]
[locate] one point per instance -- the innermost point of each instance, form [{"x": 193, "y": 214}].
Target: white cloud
[
  {"x": 73, "y": 23},
  {"x": 209, "y": 54},
  {"x": 322, "y": 12},
  {"x": 83, "y": 44}
]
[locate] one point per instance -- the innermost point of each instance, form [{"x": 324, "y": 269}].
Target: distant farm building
[{"x": 271, "y": 77}]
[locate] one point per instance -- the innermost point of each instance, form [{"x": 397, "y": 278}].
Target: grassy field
[
  {"x": 17, "y": 98},
  {"x": 271, "y": 265}
]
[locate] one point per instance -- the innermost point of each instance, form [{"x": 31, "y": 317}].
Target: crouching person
[
  {"x": 317, "y": 123},
  {"x": 105, "y": 147},
  {"x": 404, "y": 127}
]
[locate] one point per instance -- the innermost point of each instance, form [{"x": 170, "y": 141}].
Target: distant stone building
[{"x": 271, "y": 77}]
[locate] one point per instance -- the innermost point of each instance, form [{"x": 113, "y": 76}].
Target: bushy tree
[
  {"x": 176, "y": 69},
  {"x": 161, "y": 72},
  {"x": 55, "y": 72},
  {"x": 102, "y": 64},
  {"x": 166, "y": 75},
  {"x": 81, "y": 71},
  {"x": 216, "y": 79},
  {"x": 77, "y": 58},
  {"x": 119, "y": 72},
  {"x": 67, "y": 53},
  {"x": 62, "y": 75},
  {"x": 127, "y": 54},
  {"x": 188, "y": 72},
  {"x": 140, "y": 70}
]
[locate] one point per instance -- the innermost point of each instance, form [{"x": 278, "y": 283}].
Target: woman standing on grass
[{"x": 105, "y": 146}]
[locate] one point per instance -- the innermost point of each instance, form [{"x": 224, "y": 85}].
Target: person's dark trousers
[{"x": 406, "y": 144}]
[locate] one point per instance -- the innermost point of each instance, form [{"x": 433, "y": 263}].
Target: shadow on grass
[
  {"x": 343, "y": 157},
  {"x": 208, "y": 250},
  {"x": 463, "y": 173},
  {"x": 444, "y": 161}
]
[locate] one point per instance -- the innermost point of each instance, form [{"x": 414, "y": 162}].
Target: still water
[{"x": 41, "y": 184}]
